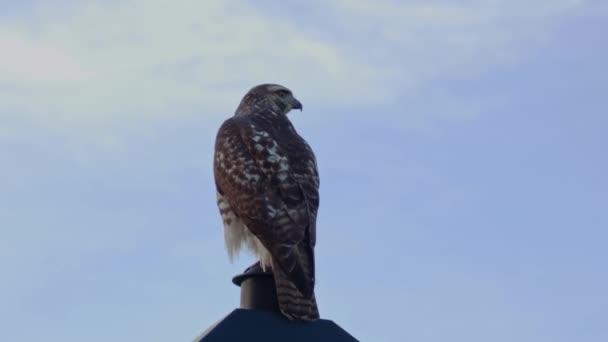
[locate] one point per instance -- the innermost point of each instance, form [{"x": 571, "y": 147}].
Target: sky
[{"x": 461, "y": 149}]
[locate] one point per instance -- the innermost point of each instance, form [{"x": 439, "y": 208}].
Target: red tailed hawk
[{"x": 268, "y": 194}]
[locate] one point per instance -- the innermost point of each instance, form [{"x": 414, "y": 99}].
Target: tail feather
[{"x": 292, "y": 303}]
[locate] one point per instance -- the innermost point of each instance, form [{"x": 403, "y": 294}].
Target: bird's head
[{"x": 274, "y": 98}]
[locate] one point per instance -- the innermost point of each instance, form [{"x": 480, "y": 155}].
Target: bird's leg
[{"x": 253, "y": 267}]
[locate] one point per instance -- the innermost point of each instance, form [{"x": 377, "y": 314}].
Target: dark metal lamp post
[{"x": 259, "y": 318}]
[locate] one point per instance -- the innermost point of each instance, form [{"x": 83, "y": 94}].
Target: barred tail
[{"x": 292, "y": 303}]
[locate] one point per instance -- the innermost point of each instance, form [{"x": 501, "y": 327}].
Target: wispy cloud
[
  {"x": 148, "y": 56},
  {"x": 117, "y": 59}
]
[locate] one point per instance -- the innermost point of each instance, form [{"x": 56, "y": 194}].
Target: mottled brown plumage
[{"x": 268, "y": 194}]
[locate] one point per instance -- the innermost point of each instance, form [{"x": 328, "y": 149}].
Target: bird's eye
[{"x": 283, "y": 93}]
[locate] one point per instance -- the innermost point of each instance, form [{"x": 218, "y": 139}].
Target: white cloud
[
  {"x": 101, "y": 61},
  {"x": 145, "y": 56},
  {"x": 425, "y": 40},
  {"x": 26, "y": 61}
]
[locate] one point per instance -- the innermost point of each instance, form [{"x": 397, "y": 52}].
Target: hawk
[{"x": 268, "y": 194}]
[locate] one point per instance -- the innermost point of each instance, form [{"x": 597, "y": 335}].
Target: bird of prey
[{"x": 268, "y": 194}]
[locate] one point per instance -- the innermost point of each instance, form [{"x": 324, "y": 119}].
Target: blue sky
[{"x": 461, "y": 151}]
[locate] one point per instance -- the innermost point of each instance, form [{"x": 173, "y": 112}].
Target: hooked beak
[{"x": 296, "y": 104}]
